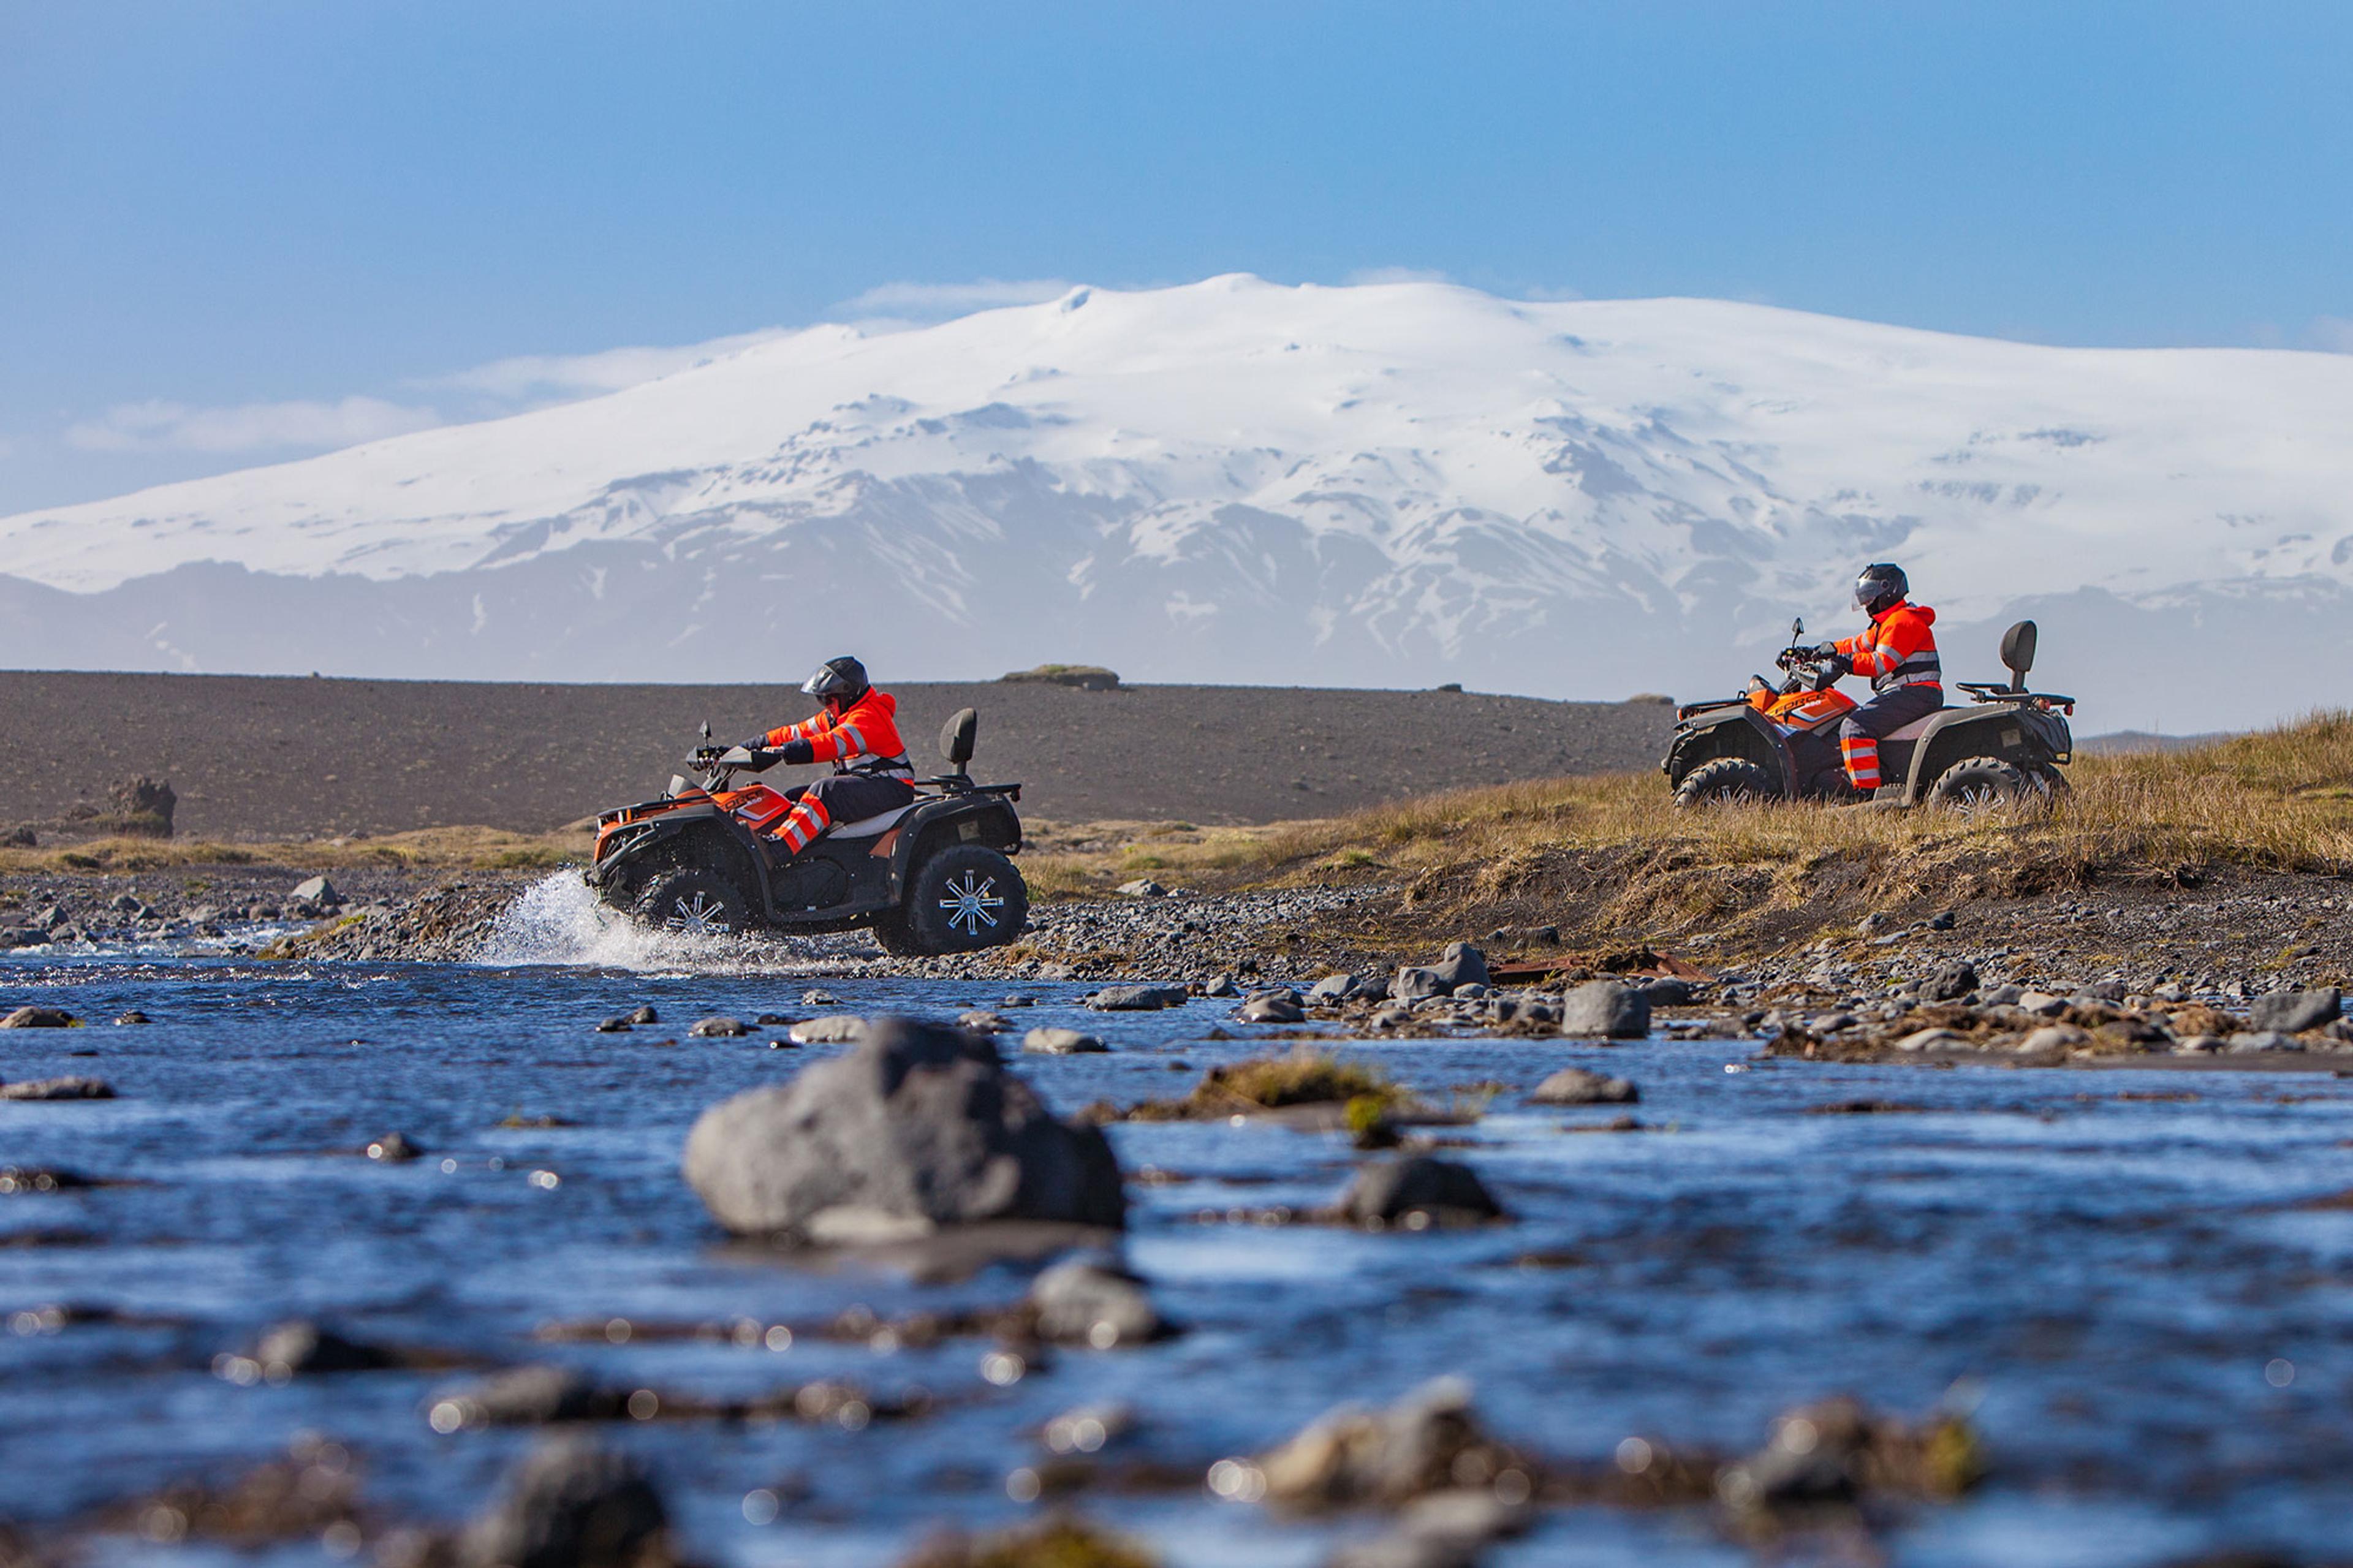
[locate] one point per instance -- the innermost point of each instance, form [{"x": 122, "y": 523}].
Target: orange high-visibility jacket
[
  {"x": 1898, "y": 649},
  {"x": 865, "y": 729}
]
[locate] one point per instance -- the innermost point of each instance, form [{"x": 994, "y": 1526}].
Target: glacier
[{"x": 1242, "y": 482}]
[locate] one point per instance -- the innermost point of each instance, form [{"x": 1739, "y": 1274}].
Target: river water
[{"x": 2111, "y": 1269}]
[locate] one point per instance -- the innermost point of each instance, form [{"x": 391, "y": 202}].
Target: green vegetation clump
[
  {"x": 1061, "y": 1542},
  {"x": 1087, "y": 677}
]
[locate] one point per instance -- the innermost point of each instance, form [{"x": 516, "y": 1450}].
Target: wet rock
[
  {"x": 1670, "y": 993},
  {"x": 317, "y": 890},
  {"x": 1429, "y": 1441},
  {"x": 14, "y": 937},
  {"x": 1949, "y": 982},
  {"x": 1442, "y": 1192},
  {"x": 1577, "y": 1085},
  {"x": 2248, "y": 1042},
  {"x": 1093, "y": 1302},
  {"x": 1272, "y": 1007},
  {"x": 1142, "y": 888},
  {"x": 1055, "y": 1042},
  {"x": 839, "y": 1029},
  {"x": 39, "y": 1019},
  {"x": 526, "y": 1396},
  {"x": 1333, "y": 988},
  {"x": 1138, "y": 998},
  {"x": 1444, "y": 1530},
  {"x": 819, "y": 998},
  {"x": 2293, "y": 1012},
  {"x": 1933, "y": 1040},
  {"x": 981, "y": 1020},
  {"x": 1836, "y": 1451},
  {"x": 302, "y": 1347},
  {"x": 719, "y": 1027},
  {"x": 1460, "y": 965},
  {"x": 1416, "y": 985},
  {"x": 2054, "y": 1038},
  {"x": 393, "y": 1149},
  {"x": 1605, "y": 1010},
  {"x": 620, "y": 1026},
  {"x": 16, "y": 1181},
  {"x": 132, "y": 1018},
  {"x": 1221, "y": 986},
  {"x": 571, "y": 1505},
  {"x": 914, "y": 1129},
  {"x": 645, "y": 1015},
  {"x": 58, "y": 1088}
]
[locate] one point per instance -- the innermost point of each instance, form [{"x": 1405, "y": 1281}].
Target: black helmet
[
  {"x": 1881, "y": 587},
  {"x": 840, "y": 680}
]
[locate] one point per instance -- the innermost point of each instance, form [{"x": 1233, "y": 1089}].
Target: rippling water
[{"x": 2154, "y": 1339}]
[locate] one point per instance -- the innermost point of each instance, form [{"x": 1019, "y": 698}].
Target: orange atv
[
  {"x": 932, "y": 876},
  {"x": 1782, "y": 742}
]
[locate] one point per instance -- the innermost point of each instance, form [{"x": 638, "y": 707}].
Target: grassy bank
[
  {"x": 1612, "y": 850},
  {"x": 431, "y": 848}
]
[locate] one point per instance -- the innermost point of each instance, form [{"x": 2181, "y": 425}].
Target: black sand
[{"x": 261, "y": 756}]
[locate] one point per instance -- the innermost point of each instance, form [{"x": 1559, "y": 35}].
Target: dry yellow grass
[
  {"x": 2281, "y": 800},
  {"x": 431, "y": 848}
]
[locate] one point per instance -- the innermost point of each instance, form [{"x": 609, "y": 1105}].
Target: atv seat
[{"x": 867, "y": 827}]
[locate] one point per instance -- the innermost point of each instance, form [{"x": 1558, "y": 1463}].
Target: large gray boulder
[
  {"x": 1605, "y": 1010},
  {"x": 2293, "y": 1012},
  {"x": 1460, "y": 965},
  {"x": 916, "y": 1129}
]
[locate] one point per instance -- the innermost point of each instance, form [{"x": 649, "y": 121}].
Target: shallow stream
[{"x": 2109, "y": 1268}]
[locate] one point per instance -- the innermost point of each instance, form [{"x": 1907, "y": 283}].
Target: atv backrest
[
  {"x": 955, "y": 738},
  {"x": 2018, "y": 653}
]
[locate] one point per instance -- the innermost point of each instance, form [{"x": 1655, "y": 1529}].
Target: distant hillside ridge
[{"x": 279, "y": 757}]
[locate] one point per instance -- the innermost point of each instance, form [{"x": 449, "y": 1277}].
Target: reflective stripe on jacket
[
  {"x": 1898, "y": 649},
  {"x": 867, "y": 728}
]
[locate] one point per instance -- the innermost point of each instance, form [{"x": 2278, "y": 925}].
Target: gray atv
[{"x": 2007, "y": 745}]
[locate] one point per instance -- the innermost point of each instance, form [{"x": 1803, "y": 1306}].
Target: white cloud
[
  {"x": 2334, "y": 333},
  {"x": 554, "y": 377},
  {"x": 160, "y": 427},
  {"x": 934, "y": 301}
]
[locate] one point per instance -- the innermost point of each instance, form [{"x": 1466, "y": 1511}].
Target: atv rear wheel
[
  {"x": 965, "y": 897},
  {"x": 694, "y": 900},
  {"x": 1727, "y": 781},
  {"x": 1976, "y": 785}
]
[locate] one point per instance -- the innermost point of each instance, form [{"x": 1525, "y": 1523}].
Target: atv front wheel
[
  {"x": 1976, "y": 785},
  {"x": 1727, "y": 781},
  {"x": 965, "y": 897},
  {"x": 694, "y": 900}
]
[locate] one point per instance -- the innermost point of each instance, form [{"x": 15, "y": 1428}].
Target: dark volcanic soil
[{"x": 256, "y": 756}]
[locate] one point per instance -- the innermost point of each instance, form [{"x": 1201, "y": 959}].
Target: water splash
[{"x": 560, "y": 921}]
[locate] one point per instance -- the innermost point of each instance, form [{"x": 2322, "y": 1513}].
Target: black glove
[
  {"x": 1837, "y": 665},
  {"x": 796, "y": 753}
]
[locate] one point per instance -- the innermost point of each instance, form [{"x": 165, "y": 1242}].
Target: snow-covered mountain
[{"x": 1395, "y": 484}]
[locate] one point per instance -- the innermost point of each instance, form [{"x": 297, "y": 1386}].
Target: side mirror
[
  {"x": 706, "y": 729},
  {"x": 1797, "y": 630},
  {"x": 956, "y": 739},
  {"x": 2018, "y": 653}
]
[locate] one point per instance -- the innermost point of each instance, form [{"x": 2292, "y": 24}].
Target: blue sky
[{"x": 233, "y": 233}]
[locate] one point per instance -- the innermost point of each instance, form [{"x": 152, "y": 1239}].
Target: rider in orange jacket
[
  {"x": 858, "y": 734},
  {"x": 1898, "y": 652}
]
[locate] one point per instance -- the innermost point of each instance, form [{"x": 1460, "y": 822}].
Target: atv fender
[
  {"x": 1735, "y": 730},
  {"x": 2021, "y": 737},
  {"x": 985, "y": 819},
  {"x": 729, "y": 850}
]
